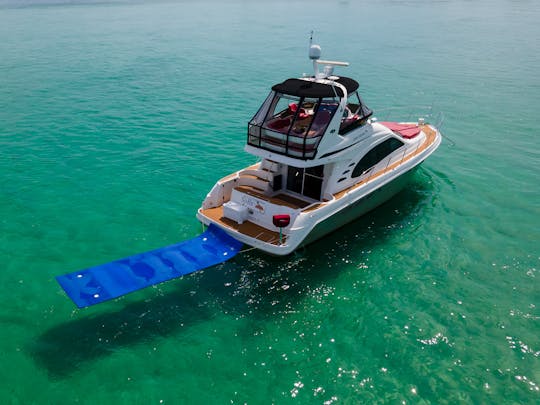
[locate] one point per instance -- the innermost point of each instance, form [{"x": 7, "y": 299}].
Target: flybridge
[{"x": 298, "y": 113}]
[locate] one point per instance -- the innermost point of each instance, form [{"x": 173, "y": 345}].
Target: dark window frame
[
  {"x": 375, "y": 155},
  {"x": 362, "y": 110}
]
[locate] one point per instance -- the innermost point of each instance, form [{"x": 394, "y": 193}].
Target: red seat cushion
[
  {"x": 279, "y": 124},
  {"x": 405, "y": 130}
]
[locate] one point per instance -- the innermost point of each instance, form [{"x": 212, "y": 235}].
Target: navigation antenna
[{"x": 315, "y": 54}]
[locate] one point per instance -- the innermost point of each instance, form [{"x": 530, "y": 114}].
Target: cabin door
[{"x": 307, "y": 181}]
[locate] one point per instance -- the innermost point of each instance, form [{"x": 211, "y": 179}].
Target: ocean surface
[{"x": 116, "y": 118}]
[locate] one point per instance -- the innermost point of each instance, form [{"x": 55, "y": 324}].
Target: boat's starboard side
[{"x": 316, "y": 216}]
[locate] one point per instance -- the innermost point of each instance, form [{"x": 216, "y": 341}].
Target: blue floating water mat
[{"x": 101, "y": 283}]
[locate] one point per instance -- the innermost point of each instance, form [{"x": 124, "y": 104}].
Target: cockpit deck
[{"x": 249, "y": 228}]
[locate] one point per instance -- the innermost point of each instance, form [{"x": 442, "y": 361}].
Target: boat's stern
[
  {"x": 238, "y": 221},
  {"x": 246, "y": 206}
]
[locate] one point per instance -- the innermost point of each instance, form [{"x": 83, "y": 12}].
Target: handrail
[
  {"x": 294, "y": 146},
  {"x": 407, "y": 152},
  {"x": 414, "y": 112}
]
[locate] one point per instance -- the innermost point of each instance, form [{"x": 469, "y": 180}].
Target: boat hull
[
  {"x": 312, "y": 222},
  {"x": 359, "y": 208},
  {"x": 344, "y": 215}
]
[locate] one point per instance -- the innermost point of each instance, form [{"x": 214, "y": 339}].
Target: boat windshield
[
  {"x": 292, "y": 125},
  {"x": 355, "y": 114}
]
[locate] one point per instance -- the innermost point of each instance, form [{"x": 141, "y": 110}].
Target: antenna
[{"x": 315, "y": 54}]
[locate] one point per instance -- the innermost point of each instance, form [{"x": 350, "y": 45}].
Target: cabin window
[
  {"x": 280, "y": 115},
  {"x": 375, "y": 155},
  {"x": 258, "y": 119},
  {"x": 295, "y": 179}
]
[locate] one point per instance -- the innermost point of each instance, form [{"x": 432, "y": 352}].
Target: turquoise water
[{"x": 117, "y": 118}]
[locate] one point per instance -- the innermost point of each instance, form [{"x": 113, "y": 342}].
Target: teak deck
[{"x": 247, "y": 228}]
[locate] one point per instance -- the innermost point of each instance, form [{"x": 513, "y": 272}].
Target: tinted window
[
  {"x": 295, "y": 176},
  {"x": 316, "y": 170},
  {"x": 307, "y": 182},
  {"x": 312, "y": 187},
  {"x": 375, "y": 155}
]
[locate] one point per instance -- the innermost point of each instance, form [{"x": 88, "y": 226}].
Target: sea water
[{"x": 116, "y": 118}]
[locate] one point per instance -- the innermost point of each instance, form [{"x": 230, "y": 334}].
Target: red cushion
[
  {"x": 279, "y": 124},
  {"x": 405, "y": 130}
]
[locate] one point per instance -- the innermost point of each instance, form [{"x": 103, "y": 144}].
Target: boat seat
[{"x": 279, "y": 124}]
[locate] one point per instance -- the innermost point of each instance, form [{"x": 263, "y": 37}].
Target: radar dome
[{"x": 314, "y": 52}]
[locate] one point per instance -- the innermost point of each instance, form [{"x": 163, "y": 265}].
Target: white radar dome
[{"x": 314, "y": 52}]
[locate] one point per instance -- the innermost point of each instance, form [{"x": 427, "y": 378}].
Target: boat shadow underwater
[{"x": 251, "y": 286}]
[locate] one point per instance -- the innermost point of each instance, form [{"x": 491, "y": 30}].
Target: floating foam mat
[{"x": 107, "y": 281}]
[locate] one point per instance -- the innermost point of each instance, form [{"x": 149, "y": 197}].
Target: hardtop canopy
[{"x": 307, "y": 88}]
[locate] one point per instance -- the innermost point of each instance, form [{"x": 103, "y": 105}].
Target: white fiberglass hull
[{"x": 358, "y": 208}]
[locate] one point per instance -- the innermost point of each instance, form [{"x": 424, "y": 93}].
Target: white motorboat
[{"x": 324, "y": 161}]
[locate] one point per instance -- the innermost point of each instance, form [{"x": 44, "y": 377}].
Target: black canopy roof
[{"x": 305, "y": 88}]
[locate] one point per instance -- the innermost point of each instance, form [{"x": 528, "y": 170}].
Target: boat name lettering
[{"x": 253, "y": 203}]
